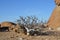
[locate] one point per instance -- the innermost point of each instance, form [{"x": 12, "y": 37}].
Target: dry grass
[{"x": 16, "y": 36}]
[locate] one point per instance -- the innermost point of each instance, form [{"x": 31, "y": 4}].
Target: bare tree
[{"x": 31, "y": 22}]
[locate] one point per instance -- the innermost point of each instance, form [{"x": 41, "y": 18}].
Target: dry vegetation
[
  {"x": 38, "y": 30},
  {"x": 30, "y": 28},
  {"x": 15, "y": 36}
]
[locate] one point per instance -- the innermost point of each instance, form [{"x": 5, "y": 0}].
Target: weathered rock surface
[
  {"x": 57, "y": 2},
  {"x": 7, "y": 24},
  {"x": 54, "y": 21}
]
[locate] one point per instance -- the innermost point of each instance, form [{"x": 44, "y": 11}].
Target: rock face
[
  {"x": 54, "y": 21},
  {"x": 8, "y": 25},
  {"x": 57, "y": 2}
]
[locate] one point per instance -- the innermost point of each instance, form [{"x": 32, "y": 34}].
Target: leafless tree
[{"x": 31, "y": 22}]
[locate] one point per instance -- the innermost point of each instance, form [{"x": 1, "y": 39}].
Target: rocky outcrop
[
  {"x": 54, "y": 21},
  {"x": 57, "y": 2},
  {"x": 9, "y": 25}
]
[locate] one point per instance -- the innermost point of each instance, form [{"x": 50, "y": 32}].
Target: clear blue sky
[{"x": 10, "y": 10}]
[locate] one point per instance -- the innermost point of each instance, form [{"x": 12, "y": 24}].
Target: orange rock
[
  {"x": 7, "y": 24},
  {"x": 54, "y": 21},
  {"x": 10, "y": 25},
  {"x": 57, "y": 2}
]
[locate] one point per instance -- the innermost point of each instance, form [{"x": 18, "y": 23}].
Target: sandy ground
[{"x": 20, "y": 36}]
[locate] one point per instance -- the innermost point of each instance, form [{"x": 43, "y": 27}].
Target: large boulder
[
  {"x": 9, "y": 25},
  {"x": 57, "y": 2},
  {"x": 54, "y": 21}
]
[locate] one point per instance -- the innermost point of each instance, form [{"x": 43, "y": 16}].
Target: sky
[{"x": 10, "y": 10}]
